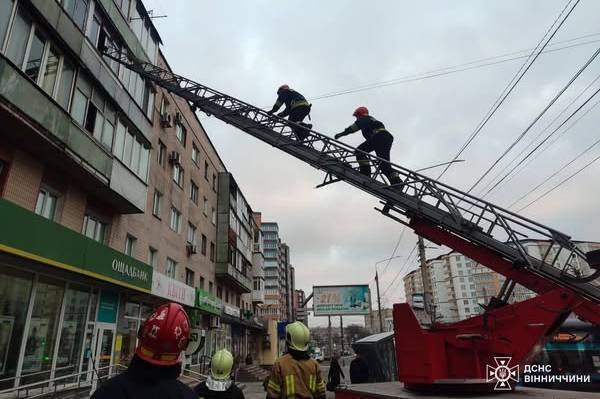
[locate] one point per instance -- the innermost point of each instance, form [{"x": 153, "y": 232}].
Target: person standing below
[
  {"x": 335, "y": 371},
  {"x": 156, "y": 365},
  {"x": 219, "y": 383},
  {"x": 296, "y": 374},
  {"x": 359, "y": 370},
  {"x": 377, "y": 138},
  {"x": 296, "y": 109}
]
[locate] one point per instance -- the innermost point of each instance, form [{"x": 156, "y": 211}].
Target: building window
[
  {"x": 214, "y": 183},
  {"x": 6, "y": 12},
  {"x": 156, "y": 203},
  {"x": 161, "y": 154},
  {"x": 171, "y": 269},
  {"x": 206, "y": 170},
  {"x": 180, "y": 133},
  {"x": 94, "y": 228},
  {"x": 212, "y": 251},
  {"x": 152, "y": 257},
  {"x": 3, "y": 174},
  {"x": 194, "y": 193},
  {"x": 46, "y": 204},
  {"x": 210, "y": 287},
  {"x": 195, "y": 154},
  {"x": 201, "y": 283},
  {"x": 131, "y": 150},
  {"x": 203, "y": 248},
  {"x": 189, "y": 277},
  {"x": 219, "y": 292},
  {"x": 77, "y": 9},
  {"x": 130, "y": 245},
  {"x": 213, "y": 216},
  {"x": 205, "y": 207},
  {"x": 178, "y": 174},
  {"x": 191, "y": 237},
  {"x": 175, "y": 223}
]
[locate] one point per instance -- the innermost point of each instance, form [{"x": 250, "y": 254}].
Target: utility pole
[
  {"x": 427, "y": 291},
  {"x": 378, "y": 302},
  {"x": 342, "y": 333}
]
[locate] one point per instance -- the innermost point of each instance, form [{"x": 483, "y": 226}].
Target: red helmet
[
  {"x": 282, "y": 88},
  {"x": 164, "y": 335},
  {"x": 361, "y": 111}
]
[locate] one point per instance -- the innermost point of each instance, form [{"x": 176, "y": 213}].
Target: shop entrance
[{"x": 104, "y": 338}]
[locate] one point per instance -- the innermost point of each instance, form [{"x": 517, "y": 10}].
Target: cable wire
[
  {"x": 394, "y": 252},
  {"x": 408, "y": 258},
  {"x": 514, "y": 81}
]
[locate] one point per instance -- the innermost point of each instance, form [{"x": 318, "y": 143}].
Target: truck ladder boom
[{"x": 418, "y": 197}]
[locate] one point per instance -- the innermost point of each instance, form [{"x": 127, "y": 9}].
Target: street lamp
[{"x": 377, "y": 285}]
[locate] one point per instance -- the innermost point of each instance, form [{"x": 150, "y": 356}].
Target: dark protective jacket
[
  {"x": 291, "y": 98},
  {"x": 368, "y": 125},
  {"x": 296, "y": 375},
  {"x": 143, "y": 380},
  {"x": 229, "y": 391},
  {"x": 359, "y": 371},
  {"x": 335, "y": 371}
]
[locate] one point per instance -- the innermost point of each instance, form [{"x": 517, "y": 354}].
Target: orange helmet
[
  {"x": 164, "y": 335},
  {"x": 361, "y": 111},
  {"x": 282, "y": 88}
]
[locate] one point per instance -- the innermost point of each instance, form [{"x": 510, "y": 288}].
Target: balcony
[{"x": 234, "y": 277}]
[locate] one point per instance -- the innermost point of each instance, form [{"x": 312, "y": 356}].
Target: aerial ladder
[{"x": 444, "y": 356}]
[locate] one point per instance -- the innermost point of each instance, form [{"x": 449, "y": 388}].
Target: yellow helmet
[
  {"x": 297, "y": 336},
  {"x": 221, "y": 364}
]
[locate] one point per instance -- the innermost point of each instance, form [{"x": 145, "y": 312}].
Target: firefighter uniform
[
  {"x": 377, "y": 138},
  {"x": 296, "y": 109},
  {"x": 291, "y": 378}
]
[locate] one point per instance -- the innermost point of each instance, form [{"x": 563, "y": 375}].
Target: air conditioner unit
[
  {"x": 178, "y": 117},
  {"x": 174, "y": 157},
  {"x": 165, "y": 120},
  {"x": 215, "y": 322},
  {"x": 191, "y": 249}
]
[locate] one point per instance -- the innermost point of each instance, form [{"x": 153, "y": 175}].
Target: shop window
[
  {"x": 43, "y": 328},
  {"x": 15, "y": 292},
  {"x": 171, "y": 269},
  {"x": 127, "y": 329},
  {"x": 73, "y": 328},
  {"x": 46, "y": 204},
  {"x": 95, "y": 228}
]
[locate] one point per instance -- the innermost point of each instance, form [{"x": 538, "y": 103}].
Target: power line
[
  {"x": 561, "y": 183},
  {"x": 552, "y": 175},
  {"x": 537, "y": 118},
  {"x": 408, "y": 258},
  {"x": 514, "y": 81},
  {"x": 545, "y": 140},
  {"x": 508, "y": 175},
  {"x": 395, "y": 249}
]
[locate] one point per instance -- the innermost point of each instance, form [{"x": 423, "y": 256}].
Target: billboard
[{"x": 341, "y": 300}]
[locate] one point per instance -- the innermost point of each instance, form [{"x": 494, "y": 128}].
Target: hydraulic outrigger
[{"x": 445, "y": 355}]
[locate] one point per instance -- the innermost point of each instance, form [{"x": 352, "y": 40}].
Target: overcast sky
[{"x": 248, "y": 48}]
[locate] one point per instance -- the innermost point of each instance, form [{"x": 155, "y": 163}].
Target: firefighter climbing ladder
[{"x": 418, "y": 198}]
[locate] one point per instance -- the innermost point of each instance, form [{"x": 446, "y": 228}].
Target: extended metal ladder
[{"x": 418, "y": 197}]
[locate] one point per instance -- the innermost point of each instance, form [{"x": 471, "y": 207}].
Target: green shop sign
[
  {"x": 208, "y": 302},
  {"x": 30, "y": 236}
]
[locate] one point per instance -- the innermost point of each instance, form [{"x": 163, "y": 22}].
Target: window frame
[
  {"x": 177, "y": 213},
  {"x": 157, "y": 204},
  {"x": 130, "y": 244}
]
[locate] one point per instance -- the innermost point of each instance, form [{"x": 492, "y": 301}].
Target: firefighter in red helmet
[
  {"x": 156, "y": 365},
  {"x": 377, "y": 138},
  {"x": 296, "y": 109}
]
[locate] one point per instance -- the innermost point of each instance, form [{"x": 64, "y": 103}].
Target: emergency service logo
[{"x": 502, "y": 374}]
